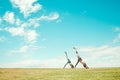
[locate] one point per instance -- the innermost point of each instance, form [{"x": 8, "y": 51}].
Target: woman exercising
[
  {"x": 80, "y": 60},
  {"x": 68, "y": 61}
]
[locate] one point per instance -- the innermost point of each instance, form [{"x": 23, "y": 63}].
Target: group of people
[{"x": 79, "y": 60}]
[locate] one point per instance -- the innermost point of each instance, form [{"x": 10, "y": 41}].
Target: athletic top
[{"x": 68, "y": 61}]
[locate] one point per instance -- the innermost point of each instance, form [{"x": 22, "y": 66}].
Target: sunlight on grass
[{"x": 60, "y": 74}]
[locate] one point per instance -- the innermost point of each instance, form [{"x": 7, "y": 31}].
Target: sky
[{"x": 35, "y": 33}]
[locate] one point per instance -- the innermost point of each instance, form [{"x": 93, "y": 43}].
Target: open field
[{"x": 59, "y": 74}]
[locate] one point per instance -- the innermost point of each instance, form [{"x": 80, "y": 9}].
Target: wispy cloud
[
  {"x": 25, "y": 50},
  {"x": 9, "y": 17},
  {"x": 101, "y": 56},
  {"x": 29, "y": 35},
  {"x": 52, "y": 16},
  {"x": 18, "y": 22},
  {"x": 36, "y": 21},
  {"x": 25, "y": 28},
  {"x": 92, "y": 49},
  {"x": 16, "y": 31},
  {"x": 22, "y": 50},
  {"x": 26, "y": 6},
  {"x": 36, "y": 63},
  {"x": 96, "y": 57}
]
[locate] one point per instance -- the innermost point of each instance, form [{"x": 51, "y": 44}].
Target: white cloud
[
  {"x": 24, "y": 30},
  {"x": 22, "y": 49},
  {"x": 52, "y": 16},
  {"x": 102, "y": 56},
  {"x": 26, "y": 6},
  {"x": 35, "y": 63},
  {"x": 97, "y": 57},
  {"x": 34, "y": 47},
  {"x": 92, "y": 49},
  {"x": 36, "y": 21},
  {"x": 18, "y": 22},
  {"x": 29, "y": 35},
  {"x": 27, "y": 29},
  {"x": 9, "y": 17},
  {"x": 26, "y": 50},
  {"x": 19, "y": 31}
]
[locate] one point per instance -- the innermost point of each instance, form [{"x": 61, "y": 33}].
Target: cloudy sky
[{"x": 35, "y": 33}]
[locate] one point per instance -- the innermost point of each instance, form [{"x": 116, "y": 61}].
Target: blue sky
[{"x": 39, "y": 31}]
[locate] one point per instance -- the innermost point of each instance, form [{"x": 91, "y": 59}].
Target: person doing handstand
[
  {"x": 80, "y": 60},
  {"x": 68, "y": 61}
]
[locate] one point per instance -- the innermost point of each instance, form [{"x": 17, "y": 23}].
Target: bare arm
[
  {"x": 76, "y": 63},
  {"x": 65, "y": 65}
]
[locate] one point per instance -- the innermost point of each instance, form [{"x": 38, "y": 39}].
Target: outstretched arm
[
  {"x": 76, "y": 63},
  {"x": 65, "y": 65}
]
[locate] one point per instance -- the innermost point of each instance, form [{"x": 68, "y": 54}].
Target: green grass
[{"x": 59, "y": 74}]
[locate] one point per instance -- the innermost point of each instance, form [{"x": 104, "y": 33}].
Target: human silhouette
[
  {"x": 68, "y": 61},
  {"x": 80, "y": 59}
]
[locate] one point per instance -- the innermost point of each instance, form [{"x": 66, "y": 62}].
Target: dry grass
[{"x": 59, "y": 74}]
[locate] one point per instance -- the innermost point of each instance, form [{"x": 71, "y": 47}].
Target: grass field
[{"x": 59, "y": 74}]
